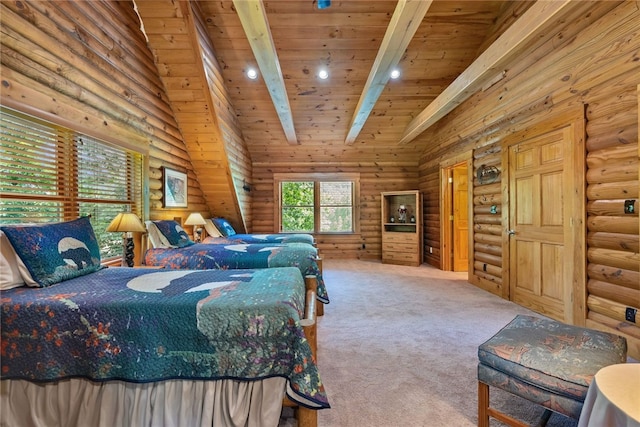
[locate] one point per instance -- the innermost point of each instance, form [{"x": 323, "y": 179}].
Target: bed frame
[{"x": 308, "y": 417}]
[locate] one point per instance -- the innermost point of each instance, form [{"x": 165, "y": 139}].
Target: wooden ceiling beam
[
  {"x": 405, "y": 21},
  {"x": 253, "y": 17},
  {"x": 487, "y": 65}
]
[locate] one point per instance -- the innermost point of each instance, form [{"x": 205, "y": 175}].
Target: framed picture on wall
[{"x": 174, "y": 189}]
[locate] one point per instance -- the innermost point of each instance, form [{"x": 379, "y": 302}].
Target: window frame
[
  {"x": 317, "y": 178},
  {"x": 69, "y": 150}
]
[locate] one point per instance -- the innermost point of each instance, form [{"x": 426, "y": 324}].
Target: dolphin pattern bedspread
[
  {"x": 262, "y": 238},
  {"x": 201, "y": 256},
  {"x": 143, "y": 325}
]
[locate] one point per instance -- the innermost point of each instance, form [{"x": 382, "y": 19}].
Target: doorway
[{"x": 454, "y": 218}]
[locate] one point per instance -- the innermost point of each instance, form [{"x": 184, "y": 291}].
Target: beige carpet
[{"x": 398, "y": 347}]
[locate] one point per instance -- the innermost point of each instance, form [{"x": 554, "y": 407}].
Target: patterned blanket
[
  {"x": 144, "y": 325},
  {"x": 203, "y": 256},
  {"x": 261, "y": 238}
]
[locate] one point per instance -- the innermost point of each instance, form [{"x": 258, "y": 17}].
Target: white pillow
[
  {"x": 13, "y": 272},
  {"x": 157, "y": 239},
  {"x": 211, "y": 228}
]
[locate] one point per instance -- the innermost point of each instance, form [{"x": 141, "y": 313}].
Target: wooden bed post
[
  {"x": 309, "y": 323},
  {"x": 308, "y": 417},
  {"x": 320, "y": 306}
]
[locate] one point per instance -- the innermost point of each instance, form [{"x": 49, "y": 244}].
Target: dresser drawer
[
  {"x": 403, "y": 258},
  {"x": 400, "y": 237},
  {"x": 401, "y": 247}
]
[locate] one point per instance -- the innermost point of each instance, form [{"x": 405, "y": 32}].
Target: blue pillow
[
  {"x": 224, "y": 227},
  {"x": 175, "y": 234},
  {"x": 56, "y": 252}
]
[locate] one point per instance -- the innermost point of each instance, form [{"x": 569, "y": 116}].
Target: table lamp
[
  {"x": 126, "y": 223},
  {"x": 196, "y": 220}
]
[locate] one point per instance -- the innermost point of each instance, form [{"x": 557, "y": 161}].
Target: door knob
[{"x": 511, "y": 232}]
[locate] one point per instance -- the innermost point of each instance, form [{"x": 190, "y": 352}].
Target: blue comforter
[
  {"x": 144, "y": 325},
  {"x": 262, "y": 238},
  {"x": 241, "y": 255}
]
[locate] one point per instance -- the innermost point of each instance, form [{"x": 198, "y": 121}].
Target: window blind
[{"x": 50, "y": 173}]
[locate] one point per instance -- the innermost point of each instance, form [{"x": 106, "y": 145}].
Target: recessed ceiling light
[
  {"x": 252, "y": 73},
  {"x": 395, "y": 73},
  {"x": 323, "y": 74}
]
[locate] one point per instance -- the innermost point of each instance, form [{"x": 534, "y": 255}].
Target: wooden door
[
  {"x": 540, "y": 262},
  {"x": 460, "y": 223}
]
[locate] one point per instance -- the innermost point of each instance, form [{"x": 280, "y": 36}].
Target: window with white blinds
[{"x": 50, "y": 174}]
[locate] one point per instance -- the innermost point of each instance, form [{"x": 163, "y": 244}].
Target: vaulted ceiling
[
  {"x": 444, "y": 50},
  {"x": 357, "y": 42},
  {"x": 358, "y": 108}
]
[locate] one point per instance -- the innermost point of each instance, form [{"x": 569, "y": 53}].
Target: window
[
  {"x": 50, "y": 174},
  {"x": 318, "y": 203}
]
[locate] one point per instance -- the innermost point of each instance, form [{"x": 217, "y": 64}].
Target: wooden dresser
[{"x": 402, "y": 227}]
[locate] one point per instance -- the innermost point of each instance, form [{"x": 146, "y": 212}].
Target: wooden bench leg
[
  {"x": 485, "y": 411},
  {"x": 483, "y": 404}
]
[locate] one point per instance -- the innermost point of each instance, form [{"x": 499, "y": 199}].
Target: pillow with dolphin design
[
  {"x": 175, "y": 234},
  {"x": 225, "y": 228}
]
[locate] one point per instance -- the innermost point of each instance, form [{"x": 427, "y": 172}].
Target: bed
[
  {"x": 127, "y": 346},
  {"x": 172, "y": 248},
  {"x": 220, "y": 231},
  {"x": 261, "y": 238},
  {"x": 82, "y": 344}
]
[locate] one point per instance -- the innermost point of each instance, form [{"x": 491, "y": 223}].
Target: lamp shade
[
  {"x": 195, "y": 219},
  {"x": 126, "y": 222}
]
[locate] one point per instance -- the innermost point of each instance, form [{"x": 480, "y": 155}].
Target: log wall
[
  {"x": 86, "y": 65},
  {"x": 592, "y": 59},
  {"x": 430, "y": 188},
  {"x": 487, "y": 223}
]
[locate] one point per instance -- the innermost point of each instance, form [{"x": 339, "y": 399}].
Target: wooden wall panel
[{"x": 592, "y": 60}]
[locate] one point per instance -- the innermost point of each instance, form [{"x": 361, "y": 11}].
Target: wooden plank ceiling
[
  {"x": 346, "y": 39},
  {"x": 290, "y": 116}
]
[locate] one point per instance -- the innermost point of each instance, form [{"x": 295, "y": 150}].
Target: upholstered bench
[{"x": 546, "y": 362}]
